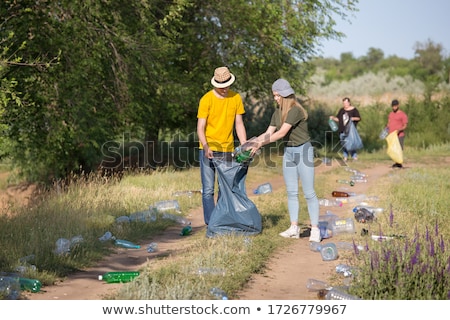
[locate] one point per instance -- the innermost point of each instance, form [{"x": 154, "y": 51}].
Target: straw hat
[{"x": 222, "y": 78}]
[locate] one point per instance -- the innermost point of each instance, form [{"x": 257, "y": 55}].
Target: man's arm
[
  {"x": 240, "y": 129},
  {"x": 201, "y": 126}
]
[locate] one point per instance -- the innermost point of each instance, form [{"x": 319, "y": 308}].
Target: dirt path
[{"x": 285, "y": 277}]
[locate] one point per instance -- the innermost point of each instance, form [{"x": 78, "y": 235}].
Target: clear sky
[{"x": 394, "y": 26}]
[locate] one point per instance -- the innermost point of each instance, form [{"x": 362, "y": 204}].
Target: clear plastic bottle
[
  {"x": 358, "y": 178},
  {"x": 143, "y": 216},
  {"x": 211, "y": 271},
  {"x": 349, "y": 182},
  {"x": 177, "y": 218},
  {"x": 337, "y": 294},
  {"x": 384, "y": 133},
  {"x": 152, "y": 247},
  {"x": 126, "y": 244},
  {"x": 374, "y": 210},
  {"x": 118, "y": 276},
  {"x": 329, "y": 252},
  {"x": 9, "y": 287},
  {"x": 316, "y": 285},
  {"x": 62, "y": 246},
  {"x": 263, "y": 189},
  {"x": 315, "y": 246},
  {"x": 218, "y": 293},
  {"x": 167, "y": 205},
  {"x": 339, "y": 226},
  {"x": 106, "y": 236},
  {"x": 187, "y": 230},
  {"x": 330, "y": 203}
]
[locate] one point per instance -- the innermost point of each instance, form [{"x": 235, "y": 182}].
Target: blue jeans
[
  {"x": 346, "y": 152},
  {"x": 208, "y": 178},
  {"x": 298, "y": 163}
]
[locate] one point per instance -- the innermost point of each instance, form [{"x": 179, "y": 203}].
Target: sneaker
[
  {"x": 355, "y": 158},
  {"x": 315, "y": 235},
  {"x": 292, "y": 232},
  {"x": 345, "y": 159}
]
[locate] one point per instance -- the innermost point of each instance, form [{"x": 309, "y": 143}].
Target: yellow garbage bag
[{"x": 394, "y": 149}]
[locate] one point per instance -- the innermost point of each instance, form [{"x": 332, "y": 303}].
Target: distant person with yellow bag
[{"x": 397, "y": 121}]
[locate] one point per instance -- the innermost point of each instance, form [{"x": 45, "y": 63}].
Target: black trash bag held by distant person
[{"x": 234, "y": 213}]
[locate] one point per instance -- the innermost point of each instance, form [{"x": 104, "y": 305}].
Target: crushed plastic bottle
[
  {"x": 123, "y": 219},
  {"x": 9, "y": 287},
  {"x": 152, "y": 247},
  {"x": 358, "y": 178},
  {"x": 384, "y": 133},
  {"x": 263, "y": 189},
  {"x": 344, "y": 269},
  {"x": 218, "y": 293},
  {"x": 330, "y": 203},
  {"x": 329, "y": 252},
  {"x": 62, "y": 246},
  {"x": 106, "y": 236}
]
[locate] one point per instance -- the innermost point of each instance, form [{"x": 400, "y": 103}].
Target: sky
[{"x": 394, "y": 26}]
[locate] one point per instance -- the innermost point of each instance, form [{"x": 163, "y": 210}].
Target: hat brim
[{"x": 224, "y": 84}]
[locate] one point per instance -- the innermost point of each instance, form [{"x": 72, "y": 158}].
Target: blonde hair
[{"x": 287, "y": 104}]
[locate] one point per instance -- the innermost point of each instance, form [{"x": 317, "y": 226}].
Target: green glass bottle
[
  {"x": 32, "y": 285},
  {"x": 118, "y": 276},
  {"x": 243, "y": 156}
]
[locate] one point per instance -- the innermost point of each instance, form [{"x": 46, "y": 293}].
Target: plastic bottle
[
  {"x": 333, "y": 125},
  {"x": 32, "y": 285},
  {"x": 167, "y": 205},
  {"x": 315, "y": 246},
  {"x": 152, "y": 247},
  {"x": 336, "y": 294},
  {"x": 358, "y": 178},
  {"x": 384, "y": 133},
  {"x": 374, "y": 210},
  {"x": 186, "y": 231},
  {"x": 349, "y": 182},
  {"x": 126, "y": 244},
  {"x": 330, "y": 203},
  {"x": 346, "y": 270},
  {"x": 316, "y": 285},
  {"x": 188, "y": 193},
  {"x": 329, "y": 252},
  {"x": 123, "y": 219},
  {"x": 211, "y": 271},
  {"x": 342, "y": 194},
  {"x": 107, "y": 236},
  {"x": 263, "y": 189},
  {"x": 143, "y": 216},
  {"x": 352, "y": 199},
  {"x": 62, "y": 246},
  {"x": 343, "y": 226},
  {"x": 118, "y": 276},
  {"x": 177, "y": 218},
  {"x": 325, "y": 232},
  {"x": 218, "y": 293},
  {"x": 9, "y": 287}
]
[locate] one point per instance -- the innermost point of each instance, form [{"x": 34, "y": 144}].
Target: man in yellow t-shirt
[{"x": 220, "y": 111}]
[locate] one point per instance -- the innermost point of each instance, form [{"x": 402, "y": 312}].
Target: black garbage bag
[{"x": 234, "y": 213}]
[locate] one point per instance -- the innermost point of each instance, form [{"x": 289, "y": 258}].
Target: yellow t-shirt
[{"x": 220, "y": 115}]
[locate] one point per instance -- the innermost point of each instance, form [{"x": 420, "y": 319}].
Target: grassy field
[{"x": 90, "y": 206}]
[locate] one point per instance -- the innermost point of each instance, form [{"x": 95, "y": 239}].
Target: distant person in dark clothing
[{"x": 345, "y": 114}]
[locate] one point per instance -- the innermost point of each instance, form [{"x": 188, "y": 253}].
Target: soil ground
[{"x": 284, "y": 278}]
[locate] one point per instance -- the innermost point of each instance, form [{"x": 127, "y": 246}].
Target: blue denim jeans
[
  {"x": 298, "y": 163},
  {"x": 208, "y": 178}
]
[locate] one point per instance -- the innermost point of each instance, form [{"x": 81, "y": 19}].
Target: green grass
[{"x": 89, "y": 207}]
